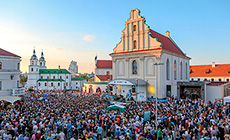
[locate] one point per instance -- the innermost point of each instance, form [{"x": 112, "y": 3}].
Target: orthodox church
[
  {"x": 145, "y": 57},
  {"x": 39, "y": 77}
]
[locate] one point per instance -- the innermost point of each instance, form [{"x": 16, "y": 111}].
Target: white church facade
[
  {"x": 136, "y": 55},
  {"x": 39, "y": 77}
]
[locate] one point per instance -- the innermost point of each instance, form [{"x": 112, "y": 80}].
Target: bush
[{"x": 30, "y": 89}]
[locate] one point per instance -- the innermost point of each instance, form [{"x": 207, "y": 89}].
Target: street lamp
[
  {"x": 136, "y": 82},
  {"x": 157, "y": 64}
]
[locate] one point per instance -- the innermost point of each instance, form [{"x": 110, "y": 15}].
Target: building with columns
[{"x": 137, "y": 52}]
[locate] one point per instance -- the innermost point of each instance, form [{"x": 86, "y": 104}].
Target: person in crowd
[{"x": 70, "y": 115}]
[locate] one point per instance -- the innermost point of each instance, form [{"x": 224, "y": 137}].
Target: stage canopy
[{"x": 10, "y": 99}]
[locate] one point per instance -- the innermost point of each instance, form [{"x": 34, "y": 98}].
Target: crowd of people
[{"x": 59, "y": 115}]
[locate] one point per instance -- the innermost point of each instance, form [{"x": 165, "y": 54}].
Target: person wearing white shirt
[{"x": 62, "y": 136}]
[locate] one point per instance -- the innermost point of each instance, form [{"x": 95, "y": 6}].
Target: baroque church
[
  {"x": 39, "y": 77},
  {"x": 145, "y": 57}
]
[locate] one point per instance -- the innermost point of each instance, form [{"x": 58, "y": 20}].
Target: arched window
[
  {"x": 52, "y": 84},
  {"x": 59, "y": 84},
  {"x": 134, "y": 28},
  {"x": 32, "y": 62},
  {"x": 39, "y": 84},
  {"x": 134, "y": 44},
  {"x": 186, "y": 69},
  {"x": 167, "y": 69},
  {"x": 181, "y": 71},
  {"x": 40, "y": 63},
  {"x": 134, "y": 67},
  {"x": 32, "y": 69},
  {"x": 0, "y": 65},
  {"x": 45, "y": 84},
  {"x": 175, "y": 70}
]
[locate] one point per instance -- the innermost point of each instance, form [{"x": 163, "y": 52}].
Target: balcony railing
[{"x": 18, "y": 91}]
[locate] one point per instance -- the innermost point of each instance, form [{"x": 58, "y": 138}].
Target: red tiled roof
[
  {"x": 105, "y": 77},
  {"x": 167, "y": 42},
  {"x": 216, "y": 83},
  {"x": 104, "y": 64},
  {"x": 220, "y": 70},
  {"x": 6, "y": 53}
]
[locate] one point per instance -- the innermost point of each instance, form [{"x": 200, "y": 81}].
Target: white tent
[
  {"x": 40, "y": 98},
  {"x": 118, "y": 103},
  {"x": 10, "y": 99},
  {"x": 117, "y": 107},
  {"x": 227, "y": 99}
]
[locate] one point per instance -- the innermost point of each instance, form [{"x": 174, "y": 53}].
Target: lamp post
[
  {"x": 136, "y": 82},
  {"x": 157, "y": 64}
]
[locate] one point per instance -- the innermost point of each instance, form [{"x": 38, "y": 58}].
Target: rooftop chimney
[
  {"x": 167, "y": 34},
  {"x": 213, "y": 64},
  {"x": 59, "y": 67}
]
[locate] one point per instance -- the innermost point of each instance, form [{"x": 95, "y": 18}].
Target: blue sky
[{"x": 77, "y": 30}]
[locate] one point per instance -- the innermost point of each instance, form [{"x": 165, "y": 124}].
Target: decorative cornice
[
  {"x": 142, "y": 57},
  {"x": 175, "y": 54}
]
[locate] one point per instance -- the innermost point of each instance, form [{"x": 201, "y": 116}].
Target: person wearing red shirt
[{"x": 38, "y": 136}]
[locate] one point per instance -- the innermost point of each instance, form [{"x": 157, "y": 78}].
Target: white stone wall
[
  {"x": 33, "y": 74},
  {"x": 77, "y": 85},
  {"x": 49, "y": 87},
  {"x": 213, "y": 93},
  {"x": 172, "y": 80},
  {"x": 210, "y": 78},
  {"x": 9, "y": 68},
  {"x": 100, "y": 71},
  {"x": 66, "y": 82}
]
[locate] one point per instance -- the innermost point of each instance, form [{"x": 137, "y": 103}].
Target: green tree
[
  {"x": 23, "y": 80},
  {"x": 84, "y": 76}
]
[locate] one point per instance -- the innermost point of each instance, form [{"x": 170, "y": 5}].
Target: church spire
[
  {"x": 42, "y": 54},
  {"x": 34, "y": 52},
  {"x": 34, "y": 57}
]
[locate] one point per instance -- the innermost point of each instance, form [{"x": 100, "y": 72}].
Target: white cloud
[{"x": 88, "y": 38}]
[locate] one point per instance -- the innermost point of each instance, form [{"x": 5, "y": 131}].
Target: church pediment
[{"x": 136, "y": 35}]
